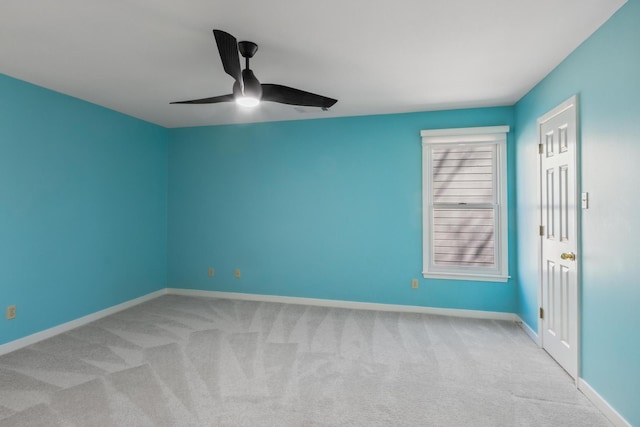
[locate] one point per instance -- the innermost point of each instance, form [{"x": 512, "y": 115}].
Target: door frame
[{"x": 571, "y": 102}]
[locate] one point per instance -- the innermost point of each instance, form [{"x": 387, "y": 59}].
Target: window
[{"x": 465, "y": 203}]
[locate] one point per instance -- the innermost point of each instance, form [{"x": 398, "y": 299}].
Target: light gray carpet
[{"x": 185, "y": 361}]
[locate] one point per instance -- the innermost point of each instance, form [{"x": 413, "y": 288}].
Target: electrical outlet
[
  {"x": 414, "y": 283},
  {"x": 211, "y": 272},
  {"x": 237, "y": 273},
  {"x": 11, "y": 312}
]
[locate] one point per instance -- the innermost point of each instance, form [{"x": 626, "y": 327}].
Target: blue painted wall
[
  {"x": 83, "y": 208},
  {"x": 605, "y": 72},
  {"x": 317, "y": 208}
]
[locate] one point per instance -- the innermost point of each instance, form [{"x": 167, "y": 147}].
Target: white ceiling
[{"x": 384, "y": 56}]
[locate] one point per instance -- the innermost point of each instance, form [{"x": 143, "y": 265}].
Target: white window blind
[{"x": 464, "y": 197}]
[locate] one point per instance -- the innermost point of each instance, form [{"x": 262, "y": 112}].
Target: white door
[{"x": 557, "y": 133}]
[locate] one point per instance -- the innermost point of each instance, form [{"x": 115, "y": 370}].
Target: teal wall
[
  {"x": 605, "y": 72},
  {"x": 317, "y": 208},
  {"x": 83, "y": 208}
]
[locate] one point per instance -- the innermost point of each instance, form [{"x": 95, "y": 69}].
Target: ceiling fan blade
[
  {"x": 228, "y": 48},
  {"x": 291, "y": 96},
  {"x": 212, "y": 100}
]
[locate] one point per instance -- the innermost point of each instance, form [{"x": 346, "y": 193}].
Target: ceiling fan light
[{"x": 247, "y": 101}]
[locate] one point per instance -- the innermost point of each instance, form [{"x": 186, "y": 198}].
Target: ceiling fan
[{"x": 247, "y": 90}]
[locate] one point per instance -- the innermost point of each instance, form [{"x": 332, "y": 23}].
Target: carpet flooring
[{"x": 187, "y": 361}]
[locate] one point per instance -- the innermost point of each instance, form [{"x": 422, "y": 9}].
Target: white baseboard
[
  {"x": 48, "y": 333},
  {"x": 475, "y": 314},
  {"x": 527, "y": 329},
  {"x": 599, "y": 402}
]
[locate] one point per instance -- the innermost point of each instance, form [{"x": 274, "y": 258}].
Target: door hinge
[
  {"x": 541, "y": 230},
  {"x": 540, "y": 149},
  {"x": 541, "y": 313}
]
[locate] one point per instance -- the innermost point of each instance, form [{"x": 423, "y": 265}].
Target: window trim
[{"x": 467, "y": 136}]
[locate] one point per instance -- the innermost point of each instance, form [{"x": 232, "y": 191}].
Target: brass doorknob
[{"x": 569, "y": 255}]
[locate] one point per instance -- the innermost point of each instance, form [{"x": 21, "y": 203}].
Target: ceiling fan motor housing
[{"x": 252, "y": 87}]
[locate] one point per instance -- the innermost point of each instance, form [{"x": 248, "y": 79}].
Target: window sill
[{"x": 467, "y": 277}]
